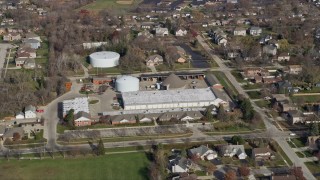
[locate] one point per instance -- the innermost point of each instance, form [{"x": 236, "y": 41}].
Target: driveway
[{"x": 197, "y": 60}]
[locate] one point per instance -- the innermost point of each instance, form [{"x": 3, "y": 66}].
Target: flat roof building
[
  {"x": 169, "y": 99},
  {"x": 79, "y": 104}
]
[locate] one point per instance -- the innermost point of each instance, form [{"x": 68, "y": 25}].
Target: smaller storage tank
[{"x": 127, "y": 84}]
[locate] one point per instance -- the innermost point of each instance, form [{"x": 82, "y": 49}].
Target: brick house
[
  {"x": 82, "y": 119},
  {"x": 124, "y": 119}
]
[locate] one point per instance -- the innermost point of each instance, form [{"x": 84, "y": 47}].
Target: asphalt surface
[{"x": 3, "y": 53}]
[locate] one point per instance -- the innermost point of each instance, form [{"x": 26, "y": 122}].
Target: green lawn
[
  {"x": 307, "y": 99},
  {"x": 299, "y": 142},
  {"x": 262, "y": 103},
  {"x": 99, "y": 5},
  {"x": 314, "y": 167},
  {"x": 254, "y": 94},
  {"x": 115, "y": 166},
  {"x": 252, "y": 86},
  {"x": 112, "y": 70},
  {"x": 238, "y": 76}
]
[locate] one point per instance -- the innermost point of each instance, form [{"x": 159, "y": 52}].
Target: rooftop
[
  {"x": 168, "y": 96},
  {"x": 77, "y": 104}
]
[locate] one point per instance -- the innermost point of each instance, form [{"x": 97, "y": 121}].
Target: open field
[
  {"x": 99, "y": 5},
  {"x": 124, "y": 166}
]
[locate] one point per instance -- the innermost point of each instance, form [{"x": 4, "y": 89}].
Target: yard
[
  {"x": 252, "y": 86},
  {"x": 299, "y": 142},
  {"x": 124, "y": 166},
  {"x": 254, "y": 94},
  {"x": 314, "y": 167},
  {"x": 238, "y": 76},
  {"x": 262, "y": 103},
  {"x": 306, "y": 99}
]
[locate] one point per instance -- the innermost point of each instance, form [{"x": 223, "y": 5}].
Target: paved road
[
  {"x": 3, "y": 53},
  {"x": 271, "y": 129}
]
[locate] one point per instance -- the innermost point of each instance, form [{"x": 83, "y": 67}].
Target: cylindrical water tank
[
  {"x": 104, "y": 59},
  {"x": 127, "y": 84}
]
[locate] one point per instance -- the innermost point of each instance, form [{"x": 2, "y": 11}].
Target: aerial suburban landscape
[{"x": 160, "y": 89}]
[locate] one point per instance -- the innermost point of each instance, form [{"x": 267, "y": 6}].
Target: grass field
[
  {"x": 115, "y": 166},
  {"x": 262, "y": 103},
  {"x": 254, "y": 94},
  {"x": 307, "y": 99},
  {"x": 99, "y": 5},
  {"x": 314, "y": 167}
]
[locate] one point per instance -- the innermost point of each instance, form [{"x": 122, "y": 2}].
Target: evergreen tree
[
  {"x": 69, "y": 117},
  {"x": 100, "y": 148},
  {"x": 314, "y": 131},
  {"x": 247, "y": 109}
]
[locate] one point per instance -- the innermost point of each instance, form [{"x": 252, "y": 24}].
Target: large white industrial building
[
  {"x": 182, "y": 98},
  {"x": 127, "y": 84},
  {"x": 77, "y": 104},
  {"x": 104, "y": 59}
]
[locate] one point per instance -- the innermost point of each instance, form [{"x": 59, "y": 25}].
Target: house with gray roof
[
  {"x": 173, "y": 82},
  {"x": 255, "y": 31},
  {"x": 124, "y": 119},
  {"x": 32, "y": 35},
  {"x": 154, "y": 60},
  {"x": 180, "y": 165},
  {"x": 9, "y": 132},
  {"x": 30, "y": 112},
  {"x": 269, "y": 49},
  {"x": 33, "y": 43},
  {"x": 203, "y": 152},
  {"x": 29, "y": 63},
  {"x": 162, "y": 31},
  {"x": 233, "y": 150}
]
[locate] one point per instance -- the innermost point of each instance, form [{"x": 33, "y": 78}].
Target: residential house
[
  {"x": 238, "y": 31},
  {"x": 255, "y": 31},
  {"x": 265, "y": 39},
  {"x": 101, "y": 80},
  {"x": 19, "y": 62},
  {"x": 33, "y": 43},
  {"x": 12, "y": 37},
  {"x": 20, "y": 115},
  {"x": 147, "y": 25},
  {"x": 179, "y": 165},
  {"x": 147, "y": 118},
  {"x": 203, "y": 152},
  {"x": 146, "y": 34},
  {"x": 26, "y": 51},
  {"x": 269, "y": 49},
  {"x": 233, "y": 150},
  {"x": 162, "y": 31},
  {"x": 295, "y": 116},
  {"x": 11, "y": 131},
  {"x": 180, "y": 51},
  {"x": 82, "y": 119},
  {"x": 223, "y": 99},
  {"x": 313, "y": 142},
  {"x": 284, "y": 87},
  {"x": 181, "y": 32},
  {"x": 250, "y": 73},
  {"x": 30, "y": 112},
  {"x": 283, "y": 57},
  {"x": 218, "y": 36},
  {"x": 258, "y": 79},
  {"x": 261, "y": 153},
  {"x": 154, "y": 60},
  {"x": 271, "y": 79},
  {"x": 33, "y": 36},
  {"x": 124, "y": 119},
  {"x": 285, "y": 107},
  {"x": 180, "y": 116},
  {"x": 295, "y": 69},
  {"x": 29, "y": 63}
]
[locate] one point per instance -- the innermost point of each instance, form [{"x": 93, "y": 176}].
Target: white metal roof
[
  {"x": 105, "y": 55},
  {"x": 78, "y": 104},
  {"x": 168, "y": 96}
]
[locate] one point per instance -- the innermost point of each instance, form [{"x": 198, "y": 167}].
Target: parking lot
[{"x": 124, "y": 132}]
